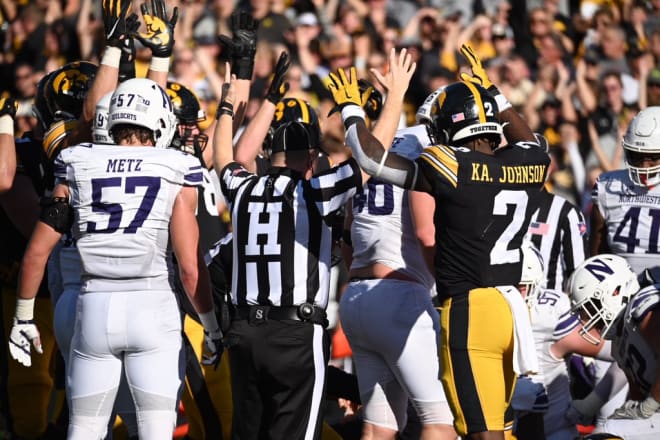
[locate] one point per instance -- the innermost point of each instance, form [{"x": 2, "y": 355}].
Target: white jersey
[
  {"x": 551, "y": 321},
  {"x": 629, "y": 348},
  {"x": 123, "y": 198},
  {"x": 632, "y": 217},
  {"x": 382, "y": 230}
]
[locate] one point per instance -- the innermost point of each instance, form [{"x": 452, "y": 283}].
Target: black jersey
[{"x": 483, "y": 207}]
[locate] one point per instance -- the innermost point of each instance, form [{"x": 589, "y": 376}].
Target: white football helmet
[
  {"x": 423, "y": 115},
  {"x": 599, "y": 289},
  {"x": 100, "y": 133},
  {"x": 142, "y": 102},
  {"x": 532, "y": 275},
  {"x": 642, "y": 140}
]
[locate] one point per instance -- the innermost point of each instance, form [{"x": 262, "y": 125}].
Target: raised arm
[
  {"x": 367, "y": 149},
  {"x": 8, "y": 107},
  {"x": 222, "y": 137}
]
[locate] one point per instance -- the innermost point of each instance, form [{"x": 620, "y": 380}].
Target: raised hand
[
  {"x": 24, "y": 333},
  {"x": 242, "y": 47},
  {"x": 479, "y": 75},
  {"x": 160, "y": 31},
  {"x": 8, "y": 106},
  {"x": 278, "y": 87},
  {"x": 114, "y": 21},
  {"x": 397, "y": 79},
  {"x": 345, "y": 89}
]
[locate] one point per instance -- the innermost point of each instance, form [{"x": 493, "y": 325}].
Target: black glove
[
  {"x": 8, "y": 106},
  {"x": 127, "y": 60},
  {"x": 114, "y": 21},
  {"x": 240, "y": 49},
  {"x": 278, "y": 87},
  {"x": 160, "y": 31}
]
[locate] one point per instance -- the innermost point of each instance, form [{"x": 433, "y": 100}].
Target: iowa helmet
[
  {"x": 464, "y": 111},
  {"x": 291, "y": 110},
  {"x": 374, "y": 103},
  {"x": 40, "y": 108},
  {"x": 67, "y": 87},
  {"x": 186, "y": 104}
]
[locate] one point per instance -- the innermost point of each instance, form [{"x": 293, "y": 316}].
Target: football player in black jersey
[{"x": 484, "y": 194}]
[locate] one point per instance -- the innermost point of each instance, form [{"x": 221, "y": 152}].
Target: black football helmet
[
  {"x": 295, "y": 110},
  {"x": 189, "y": 113},
  {"x": 40, "y": 108},
  {"x": 67, "y": 87},
  {"x": 462, "y": 112},
  {"x": 374, "y": 105}
]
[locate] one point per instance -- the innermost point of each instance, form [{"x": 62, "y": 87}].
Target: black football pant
[{"x": 278, "y": 373}]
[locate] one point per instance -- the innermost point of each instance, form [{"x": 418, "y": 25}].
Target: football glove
[
  {"x": 241, "y": 48},
  {"x": 345, "y": 91},
  {"x": 160, "y": 31},
  {"x": 278, "y": 87},
  {"x": 636, "y": 409},
  {"x": 114, "y": 21},
  {"x": 24, "y": 333},
  {"x": 213, "y": 348},
  {"x": 479, "y": 75},
  {"x": 8, "y": 106}
]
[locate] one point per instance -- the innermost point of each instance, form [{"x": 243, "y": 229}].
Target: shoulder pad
[
  {"x": 645, "y": 301},
  {"x": 57, "y": 132}
]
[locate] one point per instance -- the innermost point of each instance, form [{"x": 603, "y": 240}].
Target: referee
[
  {"x": 558, "y": 230},
  {"x": 278, "y": 346}
]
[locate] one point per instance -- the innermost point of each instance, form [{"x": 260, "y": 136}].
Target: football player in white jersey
[
  {"x": 386, "y": 311},
  {"x": 557, "y": 335},
  {"x": 125, "y": 203},
  {"x": 626, "y": 212},
  {"x": 610, "y": 306}
]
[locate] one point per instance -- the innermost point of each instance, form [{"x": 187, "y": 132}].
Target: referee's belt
[{"x": 305, "y": 312}]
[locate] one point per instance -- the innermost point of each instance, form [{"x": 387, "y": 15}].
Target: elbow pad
[{"x": 56, "y": 213}]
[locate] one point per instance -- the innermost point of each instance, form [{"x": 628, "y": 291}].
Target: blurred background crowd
[{"x": 577, "y": 70}]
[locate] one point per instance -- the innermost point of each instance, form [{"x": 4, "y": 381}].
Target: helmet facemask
[
  {"x": 643, "y": 176},
  {"x": 641, "y": 145}
]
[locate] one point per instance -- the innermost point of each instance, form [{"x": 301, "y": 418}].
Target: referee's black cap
[{"x": 292, "y": 136}]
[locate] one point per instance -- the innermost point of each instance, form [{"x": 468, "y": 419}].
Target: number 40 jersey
[
  {"x": 122, "y": 198},
  {"x": 632, "y": 217}
]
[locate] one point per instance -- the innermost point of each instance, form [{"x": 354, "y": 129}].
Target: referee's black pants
[{"x": 278, "y": 379}]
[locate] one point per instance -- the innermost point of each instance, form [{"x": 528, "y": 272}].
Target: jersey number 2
[{"x": 500, "y": 253}]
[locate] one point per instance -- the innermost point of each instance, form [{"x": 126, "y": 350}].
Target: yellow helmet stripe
[
  {"x": 477, "y": 99},
  {"x": 303, "y": 111}
]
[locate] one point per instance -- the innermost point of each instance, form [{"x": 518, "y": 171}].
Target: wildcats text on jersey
[{"x": 523, "y": 174}]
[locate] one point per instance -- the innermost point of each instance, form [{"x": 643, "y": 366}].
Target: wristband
[
  {"x": 224, "y": 108},
  {"x": 24, "y": 309},
  {"x": 502, "y": 102},
  {"x": 160, "y": 64},
  {"x": 7, "y": 125},
  {"x": 352, "y": 110},
  {"x": 112, "y": 56},
  {"x": 209, "y": 322}
]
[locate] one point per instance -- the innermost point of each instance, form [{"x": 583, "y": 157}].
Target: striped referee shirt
[
  {"x": 282, "y": 241},
  {"x": 558, "y": 231}
]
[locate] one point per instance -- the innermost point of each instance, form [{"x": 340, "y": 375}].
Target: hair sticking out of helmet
[
  {"x": 100, "y": 133},
  {"x": 462, "y": 112},
  {"x": 67, "y": 87},
  {"x": 143, "y": 103},
  {"x": 532, "y": 276},
  {"x": 599, "y": 289},
  {"x": 641, "y": 146}
]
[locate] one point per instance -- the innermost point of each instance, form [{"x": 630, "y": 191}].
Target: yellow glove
[
  {"x": 8, "y": 106},
  {"x": 479, "y": 75},
  {"x": 345, "y": 91},
  {"x": 160, "y": 31}
]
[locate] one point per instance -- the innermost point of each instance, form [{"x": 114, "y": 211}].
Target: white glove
[
  {"x": 213, "y": 348},
  {"x": 635, "y": 409},
  {"x": 24, "y": 332}
]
